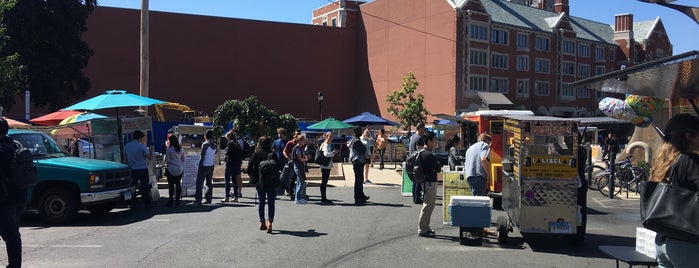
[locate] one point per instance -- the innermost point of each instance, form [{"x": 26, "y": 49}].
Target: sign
[
  {"x": 454, "y": 184},
  {"x": 128, "y": 125},
  {"x": 550, "y": 167},
  {"x": 560, "y": 227},
  {"x": 189, "y": 177}
]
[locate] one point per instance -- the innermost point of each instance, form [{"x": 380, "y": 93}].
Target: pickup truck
[{"x": 67, "y": 184}]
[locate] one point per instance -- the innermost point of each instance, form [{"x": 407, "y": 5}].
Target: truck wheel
[
  {"x": 58, "y": 205},
  {"x": 503, "y": 229},
  {"x": 100, "y": 209}
]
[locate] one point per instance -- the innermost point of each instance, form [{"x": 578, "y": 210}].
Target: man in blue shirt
[
  {"x": 137, "y": 156},
  {"x": 477, "y": 158},
  {"x": 279, "y": 144}
]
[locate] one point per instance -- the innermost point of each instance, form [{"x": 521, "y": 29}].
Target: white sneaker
[{"x": 300, "y": 201}]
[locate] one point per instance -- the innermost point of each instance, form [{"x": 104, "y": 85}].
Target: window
[
  {"x": 567, "y": 91},
  {"x": 499, "y": 61},
  {"x": 325, "y": 21},
  {"x": 334, "y": 22},
  {"x": 600, "y": 70},
  {"x": 568, "y": 68},
  {"x": 542, "y": 88},
  {"x": 568, "y": 47},
  {"x": 522, "y": 63},
  {"x": 522, "y": 88},
  {"x": 498, "y": 85},
  {"x": 542, "y": 66},
  {"x": 583, "y": 70},
  {"x": 659, "y": 53},
  {"x": 522, "y": 41},
  {"x": 479, "y": 32},
  {"x": 542, "y": 43},
  {"x": 499, "y": 37},
  {"x": 478, "y": 83},
  {"x": 612, "y": 55},
  {"x": 599, "y": 53},
  {"x": 478, "y": 57},
  {"x": 583, "y": 92},
  {"x": 584, "y": 50}
]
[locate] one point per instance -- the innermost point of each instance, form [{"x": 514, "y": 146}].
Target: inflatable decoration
[
  {"x": 643, "y": 123},
  {"x": 618, "y": 109},
  {"x": 644, "y": 106}
]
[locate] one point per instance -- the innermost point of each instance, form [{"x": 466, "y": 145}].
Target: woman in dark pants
[
  {"x": 234, "y": 161},
  {"x": 266, "y": 189},
  {"x": 174, "y": 160},
  {"x": 328, "y": 152}
]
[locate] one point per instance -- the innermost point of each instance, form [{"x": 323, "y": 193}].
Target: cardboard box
[{"x": 645, "y": 242}]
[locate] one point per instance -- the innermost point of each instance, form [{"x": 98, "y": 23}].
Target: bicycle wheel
[
  {"x": 593, "y": 180},
  {"x": 641, "y": 176},
  {"x": 603, "y": 185}
]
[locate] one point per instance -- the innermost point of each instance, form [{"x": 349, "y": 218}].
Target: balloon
[
  {"x": 616, "y": 108},
  {"x": 644, "y": 106},
  {"x": 644, "y": 123}
]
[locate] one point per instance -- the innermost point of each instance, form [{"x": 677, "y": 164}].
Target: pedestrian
[
  {"x": 278, "y": 145},
  {"x": 416, "y": 142},
  {"x": 606, "y": 146},
  {"x": 234, "y": 161},
  {"x": 206, "y": 169},
  {"x": 681, "y": 142},
  {"x": 137, "y": 157},
  {"x": 299, "y": 159},
  {"x": 12, "y": 201},
  {"x": 287, "y": 152},
  {"x": 381, "y": 144},
  {"x": 368, "y": 141},
  {"x": 452, "y": 148},
  {"x": 174, "y": 162},
  {"x": 613, "y": 147},
  {"x": 476, "y": 163},
  {"x": 75, "y": 146},
  {"x": 327, "y": 149},
  {"x": 266, "y": 188},
  {"x": 358, "y": 152},
  {"x": 344, "y": 148},
  {"x": 582, "y": 187},
  {"x": 430, "y": 166}
]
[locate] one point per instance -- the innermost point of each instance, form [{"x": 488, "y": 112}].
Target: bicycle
[
  {"x": 594, "y": 172},
  {"x": 626, "y": 176}
]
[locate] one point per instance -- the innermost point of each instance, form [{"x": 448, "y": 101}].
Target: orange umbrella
[
  {"x": 54, "y": 118},
  {"x": 14, "y": 123}
]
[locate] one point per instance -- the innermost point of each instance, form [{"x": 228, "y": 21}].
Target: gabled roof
[{"x": 643, "y": 29}]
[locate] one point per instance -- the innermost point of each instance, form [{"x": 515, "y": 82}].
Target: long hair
[
  {"x": 453, "y": 140},
  {"x": 175, "y": 143},
  {"x": 264, "y": 143},
  {"x": 678, "y": 132},
  {"x": 232, "y": 140}
]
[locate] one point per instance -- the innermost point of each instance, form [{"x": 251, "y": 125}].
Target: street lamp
[
  {"x": 691, "y": 12},
  {"x": 320, "y": 105}
]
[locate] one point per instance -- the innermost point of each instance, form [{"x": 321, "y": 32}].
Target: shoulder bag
[{"x": 669, "y": 209}]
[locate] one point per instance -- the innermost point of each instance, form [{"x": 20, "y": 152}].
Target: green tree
[
  {"x": 46, "y": 38},
  {"x": 405, "y": 105},
  {"x": 12, "y": 75},
  {"x": 250, "y": 117}
]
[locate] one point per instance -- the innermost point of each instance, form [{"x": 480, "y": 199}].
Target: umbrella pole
[{"x": 119, "y": 134}]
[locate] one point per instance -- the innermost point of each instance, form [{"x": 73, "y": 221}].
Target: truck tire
[
  {"x": 100, "y": 209},
  {"x": 58, "y": 205}
]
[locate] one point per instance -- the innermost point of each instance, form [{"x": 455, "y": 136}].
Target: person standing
[
  {"x": 368, "y": 141},
  {"x": 266, "y": 189},
  {"x": 287, "y": 152},
  {"x": 12, "y": 201},
  {"x": 234, "y": 161},
  {"x": 416, "y": 142},
  {"x": 613, "y": 144},
  {"x": 206, "y": 169},
  {"x": 75, "y": 146},
  {"x": 279, "y": 144},
  {"x": 681, "y": 142},
  {"x": 430, "y": 166},
  {"x": 381, "y": 144},
  {"x": 327, "y": 149},
  {"x": 358, "y": 153},
  {"x": 451, "y": 147},
  {"x": 137, "y": 157},
  {"x": 299, "y": 159},
  {"x": 174, "y": 161},
  {"x": 476, "y": 163}
]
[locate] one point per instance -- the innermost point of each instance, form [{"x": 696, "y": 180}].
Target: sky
[{"x": 682, "y": 30}]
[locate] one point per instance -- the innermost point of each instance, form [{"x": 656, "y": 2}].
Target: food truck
[{"x": 540, "y": 185}]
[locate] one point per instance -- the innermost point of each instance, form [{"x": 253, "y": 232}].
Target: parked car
[{"x": 67, "y": 184}]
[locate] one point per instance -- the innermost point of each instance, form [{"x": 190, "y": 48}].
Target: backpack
[
  {"x": 269, "y": 172},
  {"x": 22, "y": 171},
  {"x": 413, "y": 167}
]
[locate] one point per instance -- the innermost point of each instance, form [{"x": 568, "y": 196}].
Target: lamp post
[
  {"x": 320, "y": 105},
  {"x": 691, "y": 12}
]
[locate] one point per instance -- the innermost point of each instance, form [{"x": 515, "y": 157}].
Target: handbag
[
  {"x": 670, "y": 210},
  {"x": 320, "y": 158}
]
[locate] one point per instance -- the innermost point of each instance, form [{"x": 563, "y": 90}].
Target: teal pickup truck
[{"x": 67, "y": 184}]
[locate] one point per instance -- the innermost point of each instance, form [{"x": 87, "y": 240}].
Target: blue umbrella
[
  {"x": 367, "y": 118},
  {"x": 113, "y": 99},
  {"x": 80, "y": 117}
]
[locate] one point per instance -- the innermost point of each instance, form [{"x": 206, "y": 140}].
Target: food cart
[{"x": 540, "y": 185}]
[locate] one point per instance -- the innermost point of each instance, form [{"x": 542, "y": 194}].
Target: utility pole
[{"x": 145, "y": 58}]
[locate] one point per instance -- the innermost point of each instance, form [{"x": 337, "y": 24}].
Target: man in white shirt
[{"x": 206, "y": 168}]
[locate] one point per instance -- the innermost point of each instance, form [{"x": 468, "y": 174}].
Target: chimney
[
  {"x": 542, "y": 4},
  {"x": 623, "y": 33},
  {"x": 562, "y": 6}
]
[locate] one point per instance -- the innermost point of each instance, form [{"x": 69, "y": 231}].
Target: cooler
[{"x": 470, "y": 211}]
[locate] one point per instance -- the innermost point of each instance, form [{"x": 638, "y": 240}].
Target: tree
[
  {"x": 250, "y": 117},
  {"x": 46, "y": 38},
  {"x": 405, "y": 105},
  {"x": 11, "y": 71}
]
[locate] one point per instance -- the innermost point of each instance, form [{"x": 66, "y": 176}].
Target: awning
[{"x": 495, "y": 101}]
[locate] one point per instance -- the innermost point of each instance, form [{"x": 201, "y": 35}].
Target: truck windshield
[{"x": 40, "y": 145}]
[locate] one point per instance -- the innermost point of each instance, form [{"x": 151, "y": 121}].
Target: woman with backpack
[
  {"x": 266, "y": 185},
  {"x": 234, "y": 161},
  {"x": 174, "y": 161},
  {"x": 328, "y": 152}
]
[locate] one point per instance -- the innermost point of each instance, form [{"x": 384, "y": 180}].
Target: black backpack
[
  {"x": 22, "y": 171},
  {"x": 413, "y": 167},
  {"x": 269, "y": 172}
]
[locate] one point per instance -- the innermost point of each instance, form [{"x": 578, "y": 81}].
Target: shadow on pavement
[
  {"x": 588, "y": 249},
  {"x": 308, "y": 233}
]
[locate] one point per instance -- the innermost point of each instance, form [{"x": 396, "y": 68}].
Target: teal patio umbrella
[{"x": 330, "y": 123}]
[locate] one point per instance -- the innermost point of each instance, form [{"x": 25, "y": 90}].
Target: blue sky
[{"x": 683, "y": 31}]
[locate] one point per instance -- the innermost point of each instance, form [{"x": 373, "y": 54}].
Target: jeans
[
  {"x": 675, "y": 253},
  {"x": 358, "y": 180},
  {"x": 381, "y": 153},
  {"x": 230, "y": 177},
  {"x": 174, "y": 185},
  {"x": 204, "y": 173},
  {"x": 266, "y": 196},
  {"x": 324, "y": 182},
  {"x": 427, "y": 206},
  {"x": 300, "y": 190},
  {"x": 140, "y": 178},
  {"x": 9, "y": 231},
  {"x": 477, "y": 184},
  {"x": 417, "y": 193}
]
